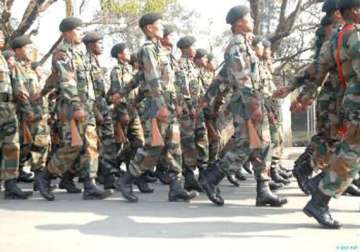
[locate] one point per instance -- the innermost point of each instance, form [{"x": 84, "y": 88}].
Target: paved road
[{"x": 70, "y": 224}]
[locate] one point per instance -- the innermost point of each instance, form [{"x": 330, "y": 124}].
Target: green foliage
[{"x": 135, "y": 7}]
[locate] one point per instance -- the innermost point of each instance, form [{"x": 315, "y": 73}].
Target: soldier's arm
[
  {"x": 152, "y": 77},
  {"x": 20, "y": 91},
  {"x": 67, "y": 79}
]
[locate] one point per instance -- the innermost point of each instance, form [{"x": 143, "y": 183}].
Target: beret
[
  {"x": 236, "y": 13},
  {"x": 211, "y": 56},
  {"x": 186, "y": 42},
  {"x": 168, "y": 29},
  {"x": 149, "y": 18},
  {"x": 91, "y": 37},
  {"x": 200, "y": 53},
  {"x": 330, "y": 6},
  {"x": 348, "y": 4},
  {"x": 35, "y": 64},
  {"x": 326, "y": 20},
  {"x": 118, "y": 48},
  {"x": 69, "y": 24},
  {"x": 266, "y": 43},
  {"x": 20, "y": 41},
  {"x": 8, "y": 54}
]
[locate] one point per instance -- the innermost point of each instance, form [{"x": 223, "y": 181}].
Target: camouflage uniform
[
  {"x": 241, "y": 74},
  {"x": 105, "y": 129},
  {"x": 26, "y": 85},
  {"x": 125, "y": 83},
  {"x": 9, "y": 136},
  {"x": 194, "y": 140},
  {"x": 159, "y": 81},
  {"x": 76, "y": 92}
]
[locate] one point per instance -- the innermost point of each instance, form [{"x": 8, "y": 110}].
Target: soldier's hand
[
  {"x": 163, "y": 114},
  {"x": 306, "y": 103},
  {"x": 99, "y": 119},
  {"x": 116, "y": 99},
  {"x": 296, "y": 107},
  {"x": 79, "y": 115},
  {"x": 257, "y": 115},
  {"x": 36, "y": 97},
  {"x": 179, "y": 110},
  {"x": 281, "y": 93},
  {"x": 30, "y": 117}
]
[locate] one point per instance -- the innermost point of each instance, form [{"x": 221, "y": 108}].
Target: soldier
[
  {"x": 33, "y": 115},
  {"x": 252, "y": 136},
  {"x": 161, "y": 128},
  {"x": 9, "y": 136},
  {"x": 108, "y": 148},
  {"x": 76, "y": 117},
  {"x": 272, "y": 106},
  {"x": 123, "y": 92},
  {"x": 194, "y": 141},
  {"x": 343, "y": 164}
]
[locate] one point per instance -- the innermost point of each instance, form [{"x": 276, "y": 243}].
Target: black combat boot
[
  {"x": 25, "y": 177},
  {"x": 124, "y": 185},
  {"x": 191, "y": 183},
  {"x": 275, "y": 186},
  {"x": 67, "y": 183},
  {"x": 275, "y": 176},
  {"x": 43, "y": 181},
  {"x": 161, "y": 173},
  {"x": 209, "y": 181},
  {"x": 109, "y": 181},
  {"x": 318, "y": 206},
  {"x": 177, "y": 191},
  {"x": 284, "y": 173},
  {"x": 143, "y": 186},
  {"x": 12, "y": 191},
  {"x": 302, "y": 172},
  {"x": 353, "y": 190},
  {"x": 150, "y": 177},
  {"x": 247, "y": 167},
  {"x": 92, "y": 192},
  {"x": 265, "y": 197},
  {"x": 233, "y": 180},
  {"x": 240, "y": 175}
]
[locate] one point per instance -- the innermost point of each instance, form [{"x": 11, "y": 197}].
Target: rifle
[
  {"x": 28, "y": 139},
  {"x": 156, "y": 138},
  {"x": 254, "y": 139},
  {"x": 76, "y": 139},
  {"x": 119, "y": 133}
]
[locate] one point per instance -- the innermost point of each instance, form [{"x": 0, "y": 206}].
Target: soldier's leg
[
  {"x": 87, "y": 169},
  {"x": 10, "y": 153}
]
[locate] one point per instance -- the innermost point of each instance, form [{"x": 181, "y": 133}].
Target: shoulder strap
[{"x": 339, "y": 44}]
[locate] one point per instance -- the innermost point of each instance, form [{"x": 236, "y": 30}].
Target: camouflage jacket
[
  {"x": 7, "y": 106},
  {"x": 74, "y": 83},
  {"x": 159, "y": 76},
  {"x": 26, "y": 85}
]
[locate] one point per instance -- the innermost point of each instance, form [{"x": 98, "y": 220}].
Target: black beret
[
  {"x": 236, "y": 13},
  {"x": 149, "y": 18},
  {"x": 210, "y": 57},
  {"x": 91, "y": 37},
  {"x": 200, "y": 53},
  {"x": 20, "y": 41},
  {"x": 168, "y": 29},
  {"x": 330, "y": 6},
  {"x": 118, "y": 48},
  {"x": 186, "y": 42},
  {"x": 8, "y": 54},
  {"x": 35, "y": 64},
  {"x": 326, "y": 20},
  {"x": 69, "y": 24},
  {"x": 348, "y": 4},
  {"x": 266, "y": 43}
]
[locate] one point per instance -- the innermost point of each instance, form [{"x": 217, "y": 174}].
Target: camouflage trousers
[
  {"x": 9, "y": 142},
  {"x": 240, "y": 149},
  {"x": 194, "y": 142},
  {"x": 274, "y": 118},
  {"x": 344, "y": 163},
  {"x": 82, "y": 160},
  {"x": 148, "y": 156},
  {"x": 38, "y": 150}
]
